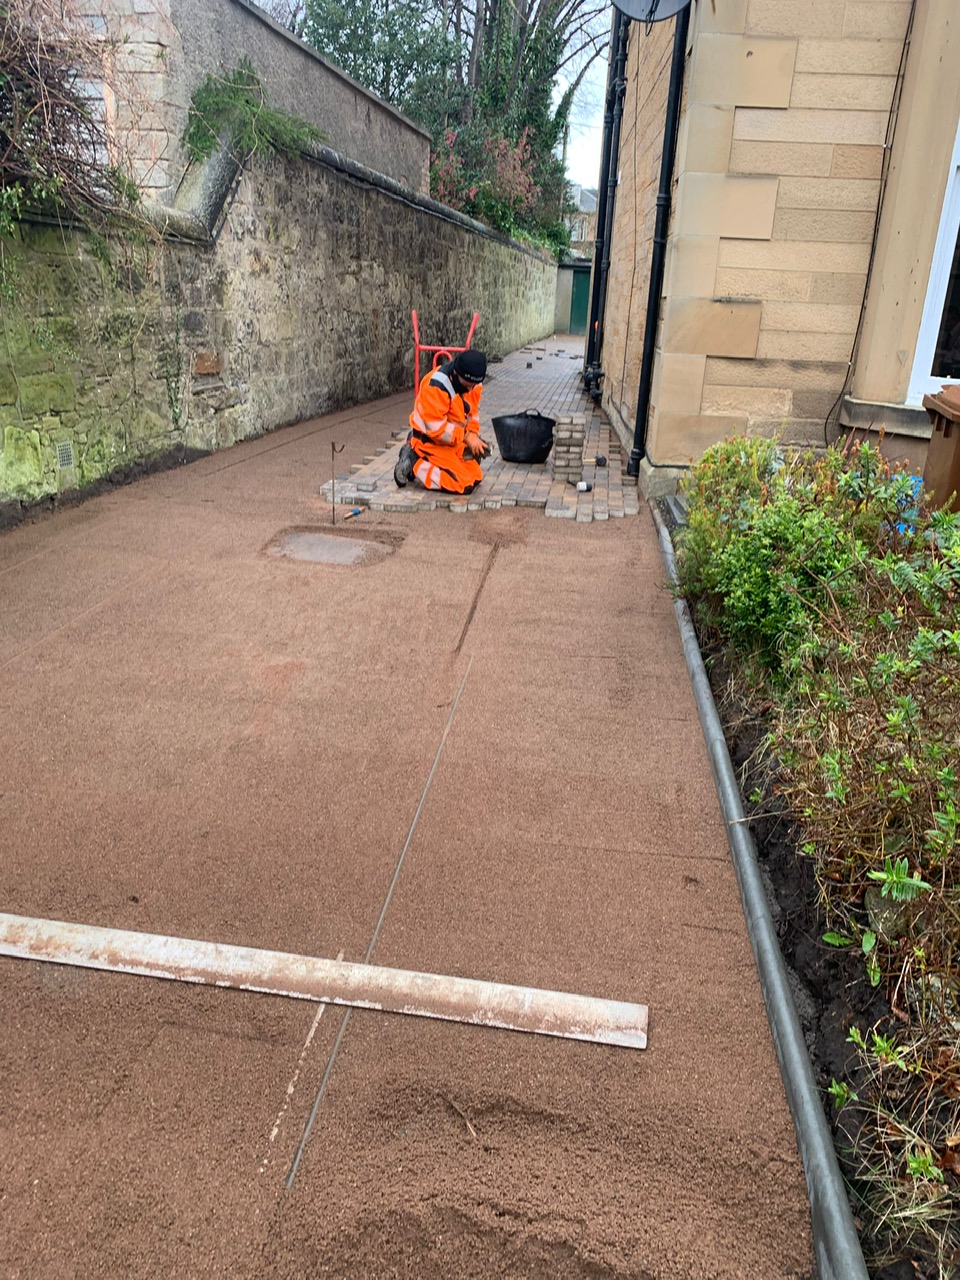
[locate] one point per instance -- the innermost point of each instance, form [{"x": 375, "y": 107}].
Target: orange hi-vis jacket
[{"x": 441, "y": 418}]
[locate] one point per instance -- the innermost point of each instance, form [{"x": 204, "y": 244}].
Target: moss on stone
[
  {"x": 8, "y": 385},
  {"x": 45, "y": 393},
  {"x": 21, "y": 464},
  {"x": 149, "y": 428},
  {"x": 40, "y": 239},
  {"x": 97, "y": 459}
]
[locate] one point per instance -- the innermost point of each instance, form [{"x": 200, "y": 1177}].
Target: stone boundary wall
[
  {"x": 169, "y": 46},
  {"x": 300, "y": 307}
]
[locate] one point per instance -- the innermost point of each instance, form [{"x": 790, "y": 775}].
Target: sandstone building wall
[
  {"x": 921, "y": 171},
  {"x": 631, "y": 240},
  {"x": 778, "y": 177}
]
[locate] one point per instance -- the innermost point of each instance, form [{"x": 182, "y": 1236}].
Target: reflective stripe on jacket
[{"x": 441, "y": 413}]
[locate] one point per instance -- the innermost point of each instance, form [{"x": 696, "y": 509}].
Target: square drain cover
[{"x": 328, "y": 548}]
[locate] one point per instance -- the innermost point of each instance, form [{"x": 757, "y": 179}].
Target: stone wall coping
[{"x": 204, "y": 188}]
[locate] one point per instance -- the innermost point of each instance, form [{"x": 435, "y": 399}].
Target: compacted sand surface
[{"x": 205, "y": 739}]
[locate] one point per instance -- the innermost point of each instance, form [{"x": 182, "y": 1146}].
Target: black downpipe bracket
[
  {"x": 658, "y": 261},
  {"x": 613, "y": 114}
]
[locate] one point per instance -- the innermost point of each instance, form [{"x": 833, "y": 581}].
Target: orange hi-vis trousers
[{"x": 443, "y": 466}]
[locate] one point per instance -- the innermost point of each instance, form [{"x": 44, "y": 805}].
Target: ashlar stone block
[
  {"x": 838, "y": 226},
  {"x": 810, "y": 317},
  {"x": 793, "y": 255},
  {"x": 778, "y": 344},
  {"x": 853, "y": 194},
  {"x": 722, "y": 15},
  {"x": 797, "y": 375},
  {"x": 855, "y": 161},
  {"x": 678, "y": 382},
  {"x": 788, "y": 18},
  {"x": 867, "y": 18},
  {"x": 759, "y": 124},
  {"x": 765, "y": 402},
  {"x": 777, "y": 286},
  {"x": 692, "y": 266},
  {"x": 743, "y": 71},
  {"x": 837, "y": 287},
  {"x": 701, "y": 326},
  {"x": 706, "y": 133},
  {"x": 843, "y": 93},
  {"x": 848, "y": 57},
  {"x": 726, "y": 205},
  {"x": 681, "y": 438},
  {"x": 783, "y": 158}
]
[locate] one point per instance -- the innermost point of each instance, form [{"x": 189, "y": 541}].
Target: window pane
[{"x": 946, "y": 357}]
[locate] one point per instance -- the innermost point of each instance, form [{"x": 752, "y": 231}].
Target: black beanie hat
[{"x": 471, "y": 364}]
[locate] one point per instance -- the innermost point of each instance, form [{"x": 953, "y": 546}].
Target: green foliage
[
  {"x": 921, "y": 1166},
  {"x": 831, "y": 579},
  {"x": 481, "y": 79},
  {"x": 841, "y": 1093},
  {"x": 838, "y": 592},
  {"x": 722, "y": 491},
  {"x": 834, "y": 939},
  {"x": 400, "y": 50},
  {"x": 905, "y": 1138},
  {"x": 868, "y": 945},
  {"x": 54, "y": 145},
  {"x": 493, "y": 184},
  {"x": 896, "y": 880},
  {"x": 11, "y": 208},
  {"x": 760, "y": 556},
  {"x": 233, "y": 108}
]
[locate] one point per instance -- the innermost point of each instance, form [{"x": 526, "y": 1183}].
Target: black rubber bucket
[{"x": 524, "y": 437}]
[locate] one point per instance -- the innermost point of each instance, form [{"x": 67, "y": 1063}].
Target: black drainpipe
[
  {"x": 658, "y": 260},
  {"x": 616, "y": 87}
]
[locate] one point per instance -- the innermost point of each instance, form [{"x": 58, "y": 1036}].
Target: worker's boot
[{"x": 403, "y": 471}]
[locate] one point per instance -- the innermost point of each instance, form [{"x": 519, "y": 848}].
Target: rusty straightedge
[{"x": 363, "y": 986}]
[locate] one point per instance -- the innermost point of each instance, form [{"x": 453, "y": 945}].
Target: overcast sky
[{"x": 586, "y": 127}]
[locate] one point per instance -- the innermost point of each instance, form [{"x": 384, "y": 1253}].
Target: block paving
[{"x": 543, "y": 377}]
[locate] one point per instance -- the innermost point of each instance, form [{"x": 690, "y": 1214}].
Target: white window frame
[{"x": 922, "y": 381}]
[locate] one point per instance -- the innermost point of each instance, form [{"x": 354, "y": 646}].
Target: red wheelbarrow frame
[{"x": 440, "y": 353}]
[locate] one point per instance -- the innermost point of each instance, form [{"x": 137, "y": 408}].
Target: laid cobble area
[{"x": 537, "y": 377}]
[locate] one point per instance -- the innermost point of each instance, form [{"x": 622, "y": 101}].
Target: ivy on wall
[{"x": 233, "y": 108}]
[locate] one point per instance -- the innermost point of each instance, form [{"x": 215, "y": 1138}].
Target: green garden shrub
[{"x": 836, "y": 590}]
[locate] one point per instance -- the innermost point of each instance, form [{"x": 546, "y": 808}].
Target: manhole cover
[{"x": 328, "y": 548}]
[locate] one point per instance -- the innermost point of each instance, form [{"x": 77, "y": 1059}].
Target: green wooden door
[{"x": 579, "y": 301}]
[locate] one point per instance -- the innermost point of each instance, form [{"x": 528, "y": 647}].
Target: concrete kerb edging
[{"x": 836, "y": 1245}]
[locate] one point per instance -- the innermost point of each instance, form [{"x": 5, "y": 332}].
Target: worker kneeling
[{"x": 444, "y": 448}]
